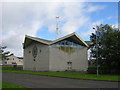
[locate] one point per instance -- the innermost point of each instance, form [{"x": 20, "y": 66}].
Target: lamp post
[{"x": 97, "y": 51}]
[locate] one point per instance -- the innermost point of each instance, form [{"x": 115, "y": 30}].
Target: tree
[
  {"x": 3, "y": 54},
  {"x": 107, "y": 48}
]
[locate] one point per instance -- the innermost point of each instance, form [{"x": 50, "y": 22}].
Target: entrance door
[{"x": 69, "y": 65}]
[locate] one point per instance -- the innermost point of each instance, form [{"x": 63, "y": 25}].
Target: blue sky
[
  {"x": 110, "y": 10},
  {"x": 38, "y": 19},
  {"x": 108, "y": 15}
]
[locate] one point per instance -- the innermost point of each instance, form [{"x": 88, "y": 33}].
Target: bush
[
  {"x": 91, "y": 70},
  {"x": 102, "y": 70}
]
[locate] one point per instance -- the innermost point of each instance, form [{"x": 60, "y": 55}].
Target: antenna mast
[{"x": 57, "y": 31}]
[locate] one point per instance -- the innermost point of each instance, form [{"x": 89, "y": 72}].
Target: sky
[{"x": 38, "y": 19}]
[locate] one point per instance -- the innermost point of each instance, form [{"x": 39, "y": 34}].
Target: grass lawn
[
  {"x": 70, "y": 75},
  {"x": 10, "y": 85}
]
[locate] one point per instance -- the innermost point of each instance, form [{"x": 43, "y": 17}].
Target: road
[{"x": 37, "y": 81}]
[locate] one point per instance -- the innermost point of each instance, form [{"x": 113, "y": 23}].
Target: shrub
[{"x": 91, "y": 70}]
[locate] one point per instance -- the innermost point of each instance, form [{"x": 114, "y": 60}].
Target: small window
[
  {"x": 33, "y": 59},
  {"x": 29, "y": 51},
  {"x": 19, "y": 60},
  {"x": 40, "y": 50},
  {"x": 69, "y": 62},
  {"x": 13, "y": 58},
  {"x": 14, "y": 63}
]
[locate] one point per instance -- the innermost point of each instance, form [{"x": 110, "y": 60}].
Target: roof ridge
[
  {"x": 66, "y": 36},
  {"x": 69, "y": 35},
  {"x": 38, "y": 38},
  {"x": 48, "y": 42}
]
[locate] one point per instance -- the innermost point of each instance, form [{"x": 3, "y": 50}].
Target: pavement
[{"x": 38, "y": 81}]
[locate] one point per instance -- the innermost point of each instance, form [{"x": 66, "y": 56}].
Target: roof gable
[
  {"x": 71, "y": 37},
  {"x": 39, "y": 39},
  {"x": 29, "y": 39}
]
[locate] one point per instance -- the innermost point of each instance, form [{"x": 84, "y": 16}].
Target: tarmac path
[{"x": 38, "y": 81}]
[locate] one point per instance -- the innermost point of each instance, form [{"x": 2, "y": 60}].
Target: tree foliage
[
  {"x": 3, "y": 54},
  {"x": 107, "y": 48}
]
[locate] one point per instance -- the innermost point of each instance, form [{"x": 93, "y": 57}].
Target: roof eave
[
  {"x": 81, "y": 40},
  {"x": 70, "y": 35},
  {"x": 32, "y": 38},
  {"x": 62, "y": 38}
]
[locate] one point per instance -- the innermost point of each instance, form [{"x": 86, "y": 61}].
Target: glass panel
[{"x": 67, "y": 46}]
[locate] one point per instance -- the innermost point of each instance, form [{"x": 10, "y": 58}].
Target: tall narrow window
[{"x": 35, "y": 51}]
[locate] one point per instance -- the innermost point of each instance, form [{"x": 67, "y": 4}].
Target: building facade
[
  {"x": 12, "y": 59},
  {"x": 66, "y": 53}
]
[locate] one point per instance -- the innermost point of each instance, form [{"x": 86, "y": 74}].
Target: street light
[{"x": 97, "y": 51}]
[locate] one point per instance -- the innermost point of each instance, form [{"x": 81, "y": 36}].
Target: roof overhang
[
  {"x": 29, "y": 40},
  {"x": 71, "y": 37}
]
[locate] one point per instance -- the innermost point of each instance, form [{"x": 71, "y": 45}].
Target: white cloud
[
  {"x": 60, "y": 0},
  {"x": 90, "y": 29},
  {"x": 110, "y": 17},
  {"x": 23, "y": 18},
  {"x": 93, "y": 8},
  {"x": 115, "y": 25}
]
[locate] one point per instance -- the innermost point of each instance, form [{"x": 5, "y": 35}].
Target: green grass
[
  {"x": 71, "y": 75},
  {"x": 10, "y": 85},
  {"x": 11, "y": 68}
]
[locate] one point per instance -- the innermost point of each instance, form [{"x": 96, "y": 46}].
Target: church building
[{"x": 62, "y": 54}]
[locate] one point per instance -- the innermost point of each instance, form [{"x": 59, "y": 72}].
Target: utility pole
[
  {"x": 97, "y": 51},
  {"x": 57, "y": 29}
]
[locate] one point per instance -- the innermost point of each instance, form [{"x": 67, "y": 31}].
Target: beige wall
[
  {"x": 41, "y": 61},
  {"x": 14, "y": 59},
  {"x": 79, "y": 59},
  {"x": 53, "y": 59},
  {"x": 59, "y": 59}
]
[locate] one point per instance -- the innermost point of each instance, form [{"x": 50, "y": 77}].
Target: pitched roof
[
  {"x": 13, "y": 55},
  {"x": 20, "y": 57},
  {"x": 29, "y": 39},
  {"x": 39, "y": 39},
  {"x": 10, "y": 55},
  {"x": 89, "y": 42},
  {"x": 72, "y": 36}
]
